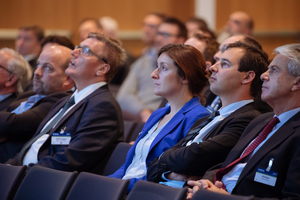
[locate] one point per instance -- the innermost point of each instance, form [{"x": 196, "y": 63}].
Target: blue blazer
[{"x": 172, "y": 133}]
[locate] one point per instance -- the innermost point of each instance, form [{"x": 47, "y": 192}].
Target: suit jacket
[
  {"x": 96, "y": 126},
  {"x": 174, "y": 131},
  {"x": 6, "y": 102},
  {"x": 283, "y": 147},
  {"x": 18, "y": 129},
  {"x": 195, "y": 159}
]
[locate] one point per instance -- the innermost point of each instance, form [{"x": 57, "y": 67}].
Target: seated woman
[{"x": 180, "y": 78}]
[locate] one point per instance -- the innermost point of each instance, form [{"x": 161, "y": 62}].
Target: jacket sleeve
[
  {"x": 24, "y": 125},
  {"x": 197, "y": 158}
]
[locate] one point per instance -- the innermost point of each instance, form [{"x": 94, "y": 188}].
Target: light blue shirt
[
  {"x": 25, "y": 105},
  {"x": 231, "y": 177}
]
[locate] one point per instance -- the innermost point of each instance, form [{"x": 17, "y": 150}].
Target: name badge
[
  {"x": 60, "y": 138},
  {"x": 265, "y": 177}
]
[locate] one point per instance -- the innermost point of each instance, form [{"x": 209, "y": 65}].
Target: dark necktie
[
  {"x": 48, "y": 128},
  {"x": 193, "y": 133},
  {"x": 261, "y": 137}
]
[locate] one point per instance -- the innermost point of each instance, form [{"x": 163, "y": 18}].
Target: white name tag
[
  {"x": 265, "y": 177},
  {"x": 60, "y": 138}
]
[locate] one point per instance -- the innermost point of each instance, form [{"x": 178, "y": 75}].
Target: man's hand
[{"x": 204, "y": 184}]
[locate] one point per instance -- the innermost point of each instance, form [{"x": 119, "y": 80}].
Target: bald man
[
  {"x": 239, "y": 22},
  {"x": 20, "y": 120}
]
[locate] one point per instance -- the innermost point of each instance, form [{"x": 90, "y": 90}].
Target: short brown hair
[
  {"x": 115, "y": 53},
  {"x": 38, "y": 31},
  {"x": 190, "y": 65}
]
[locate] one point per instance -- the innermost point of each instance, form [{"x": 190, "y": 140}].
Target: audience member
[
  {"x": 180, "y": 81},
  {"x": 87, "y": 26},
  {"x": 50, "y": 41},
  {"x": 265, "y": 161},
  {"x": 15, "y": 73},
  {"x": 149, "y": 30},
  {"x": 206, "y": 45},
  {"x": 213, "y": 102},
  {"x": 195, "y": 24},
  {"x": 136, "y": 96},
  {"x": 239, "y": 22},
  {"x": 80, "y": 133},
  {"x": 110, "y": 28},
  {"x": 236, "y": 80},
  {"x": 28, "y": 43},
  {"x": 19, "y": 121}
]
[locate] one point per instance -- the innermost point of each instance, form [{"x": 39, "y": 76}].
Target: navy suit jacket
[
  {"x": 96, "y": 126},
  {"x": 18, "y": 129},
  {"x": 284, "y": 147},
  {"x": 173, "y": 132}
]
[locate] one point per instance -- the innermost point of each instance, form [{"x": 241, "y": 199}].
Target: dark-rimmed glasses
[
  {"x": 86, "y": 51},
  {"x": 6, "y": 69}
]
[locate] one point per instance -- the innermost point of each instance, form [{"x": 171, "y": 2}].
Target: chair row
[
  {"x": 132, "y": 130},
  {"x": 44, "y": 183}
]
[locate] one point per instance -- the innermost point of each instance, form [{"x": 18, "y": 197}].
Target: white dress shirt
[
  {"x": 224, "y": 112},
  {"x": 137, "y": 168},
  {"x": 32, "y": 154}
]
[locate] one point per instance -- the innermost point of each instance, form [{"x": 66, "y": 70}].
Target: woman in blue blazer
[{"x": 179, "y": 77}]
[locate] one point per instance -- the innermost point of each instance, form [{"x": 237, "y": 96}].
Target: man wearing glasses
[
  {"x": 80, "y": 132},
  {"x": 15, "y": 73},
  {"x": 136, "y": 96}
]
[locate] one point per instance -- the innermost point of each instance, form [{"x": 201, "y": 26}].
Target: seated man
[
  {"x": 265, "y": 161},
  {"x": 15, "y": 73},
  {"x": 20, "y": 120},
  {"x": 28, "y": 43},
  {"x": 236, "y": 80},
  {"x": 80, "y": 133}
]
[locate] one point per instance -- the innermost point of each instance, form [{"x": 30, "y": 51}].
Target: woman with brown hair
[{"x": 180, "y": 78}]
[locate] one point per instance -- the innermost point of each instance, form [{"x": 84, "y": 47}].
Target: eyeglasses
[
  {"x": 6, "y": 69},
  {"x": 84, "y": 50},
  {"x": 166, "y": 35}
]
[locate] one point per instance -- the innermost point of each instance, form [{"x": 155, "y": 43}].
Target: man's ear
[
  {"x": 68, "y": 83},
  {"x": 296, "y": 84},
  {"x": 103, "y": 69},
  {"x": 208, "y": 65},
  {"x": 11, "y": 80},
  {"x": 250, "y": 75},
  {"x": 184, "y": 81}
]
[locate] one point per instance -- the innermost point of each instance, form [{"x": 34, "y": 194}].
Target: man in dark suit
[
  {"x": 19, "y": 121},
  {"x": 80, "y": 132},
  {"x": 265, "y": 161},
  {"x": 15, "y": 73},
  {"x": 236, "y": 80},
  {"x": 28, "y": 43}
]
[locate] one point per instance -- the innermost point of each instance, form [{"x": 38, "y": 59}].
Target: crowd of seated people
[{"x": 219, "y": 119}]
